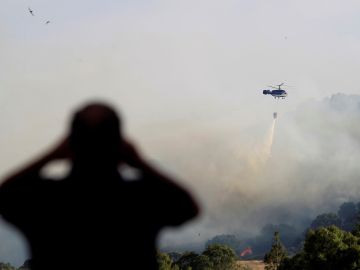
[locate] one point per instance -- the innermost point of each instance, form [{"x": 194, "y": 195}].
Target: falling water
[
  {"x": 262, "y": 152},
  {"x": 269, "y": 141}
]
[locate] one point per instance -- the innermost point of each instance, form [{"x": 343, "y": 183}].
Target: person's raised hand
[
  {"x": 130, "y": 155},
  {"x": 61, "y": 150}
]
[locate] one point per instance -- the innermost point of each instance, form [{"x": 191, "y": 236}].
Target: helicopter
[{"x": 277, "y": 92}]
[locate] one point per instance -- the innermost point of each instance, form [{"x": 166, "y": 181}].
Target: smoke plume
[{"x": 308, "y": 167}]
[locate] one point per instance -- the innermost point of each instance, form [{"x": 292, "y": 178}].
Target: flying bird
[
  {"x": 47, "y": 22},
  {"x": 31, "y": 11}
]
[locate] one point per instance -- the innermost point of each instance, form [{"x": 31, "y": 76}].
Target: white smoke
[{"x": 309, "y": 167}]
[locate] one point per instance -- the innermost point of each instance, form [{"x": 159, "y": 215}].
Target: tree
[
  {"x": 348, "y": 212},
  {"x": 174, "y": 255},
  {"x": 332, "y": 248},
  {"x": 297, "y": 262},
  {"x": 187, "y": 260},
  {"x": 327, "y": 248},
  {"x": 276, "y": 254},
  {"x": 202, "y": 262},
  {"x": 6, "y": 266},
  {"x": 222, "y": 257},
  {"x": 325, "y": 220},
  {"x": 356, "y": 230},
  {"x": 226, "y": 239},
  {"x": 26, "y": 265},
  {"x": 290, "y": 238},
  {"x": 165, "y": 262}
]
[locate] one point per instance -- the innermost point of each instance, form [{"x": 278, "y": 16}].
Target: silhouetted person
[{"x": 93, "y": 219}]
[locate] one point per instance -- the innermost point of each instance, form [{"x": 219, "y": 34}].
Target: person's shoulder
[
  {"x": 24, "y": 184},
  {"x": 149, "y": 183},
  {"x": 139, "y": 183},
  {"x": 144, "y": 187}
]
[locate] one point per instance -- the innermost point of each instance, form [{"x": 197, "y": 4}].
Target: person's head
[{"x": 95, "y": 134}]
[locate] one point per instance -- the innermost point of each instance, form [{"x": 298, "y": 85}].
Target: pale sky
[
  {"x": 179, "y": 71},
  {"x": 168, "y": 61}
]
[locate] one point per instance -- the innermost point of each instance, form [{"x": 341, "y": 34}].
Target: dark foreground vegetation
[
  {"x": 330, "y": 242},
  {"x": 214, "y": 257},
  {"x": 326, "y": 248},
  {"x": 8, "y": 266},
  {"x": 292, "y": 237}
]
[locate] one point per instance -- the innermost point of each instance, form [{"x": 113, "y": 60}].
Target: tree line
[
  {"x": 214, "y": 257},
  {"x": 331, "y": 243},
  {"x": 8, "y": 266},
  {"x": 325, "y": 248},
  {"x": 292, "y": 238}
]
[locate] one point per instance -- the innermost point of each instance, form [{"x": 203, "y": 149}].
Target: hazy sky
[{"x": 187, "y": 76}]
